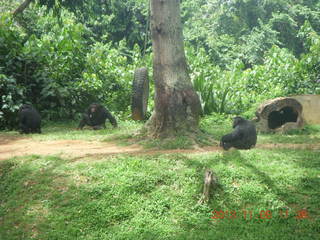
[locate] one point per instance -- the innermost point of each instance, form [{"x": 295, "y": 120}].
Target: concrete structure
[
  {"x": 279, "y": 115},
  {"x": 311, "y": 108}
]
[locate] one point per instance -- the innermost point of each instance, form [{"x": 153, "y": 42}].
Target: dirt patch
[
  {"x": 77, "y": 149},
  {"x": 66, "y": 148}
]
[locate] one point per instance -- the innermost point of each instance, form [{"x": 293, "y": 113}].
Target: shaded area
[{"x": 278, "y": 118}]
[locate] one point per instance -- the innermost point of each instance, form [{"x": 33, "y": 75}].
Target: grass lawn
[{"x": 262, "y": 193}]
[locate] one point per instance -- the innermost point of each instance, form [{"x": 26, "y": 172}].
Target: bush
[
  {"x": 11, "y": 99},
  {"x": 238, "y": 91},
  {"x": 59, "y": 73}
]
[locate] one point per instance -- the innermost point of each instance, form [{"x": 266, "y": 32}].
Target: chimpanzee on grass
[
  {"x": 30, "y": 120},
  {"x": 244, "y": 135},
  {"x": 95, "y": 116}
]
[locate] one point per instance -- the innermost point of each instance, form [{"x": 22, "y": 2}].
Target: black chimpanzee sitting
[
  {"x": 244, "y": 135},
  {"x": 95, "y": 116},
  {"x": 30, "y": 120}
]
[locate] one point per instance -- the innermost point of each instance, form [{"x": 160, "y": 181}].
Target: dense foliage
[{"x": 62, "y": 55}]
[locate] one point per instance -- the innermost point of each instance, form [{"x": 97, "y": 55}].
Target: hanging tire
[{"x": 140, "y": 94}]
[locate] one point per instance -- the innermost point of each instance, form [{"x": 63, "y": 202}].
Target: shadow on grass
[{"x": 299, "y": 193}]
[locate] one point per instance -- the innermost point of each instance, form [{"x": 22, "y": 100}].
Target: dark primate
[
  {"x": 30, "y": 120},
  {"x": 96, "y": 116},
  {"x": 244, "y": 135}
]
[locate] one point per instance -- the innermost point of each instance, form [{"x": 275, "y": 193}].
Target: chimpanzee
[
  {"x": 30, "y": 120},
  {"x": 95, "y": 116},
  {"x": 244, "y": 135}
]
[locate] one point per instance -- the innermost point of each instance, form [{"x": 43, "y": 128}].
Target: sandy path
[{"x": 12, "y": 147}]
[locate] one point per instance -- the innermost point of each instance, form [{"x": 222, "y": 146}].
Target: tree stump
[
  {"x": 279, "y": 115},
  {"x": 210, "y": 181}
]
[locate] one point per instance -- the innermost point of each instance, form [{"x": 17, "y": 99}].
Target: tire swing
[
  {"x": 140, "y": 85},
  {"x": 140, "y": 94}
]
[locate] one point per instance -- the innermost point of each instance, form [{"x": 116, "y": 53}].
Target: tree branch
[{"x": 22, "y": 7}]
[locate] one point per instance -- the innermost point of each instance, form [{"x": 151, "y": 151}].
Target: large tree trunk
[{"x": 177, "y": 106}]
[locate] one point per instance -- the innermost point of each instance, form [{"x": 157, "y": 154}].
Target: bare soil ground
[{"x": 20, "y": 146}]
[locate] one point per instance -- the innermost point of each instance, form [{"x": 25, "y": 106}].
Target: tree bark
[
  {"x": 177, "y": 106},
  {"x": 22, "y": 7}
]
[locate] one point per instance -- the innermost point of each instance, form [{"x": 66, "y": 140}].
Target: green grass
[
  {"x": 156, "y": 196},
  {"x": 181, "y": 142},
  {"x": 213, "y": 128},
  {"x": 67, "y": 131},
  {"x": 309, "y": 134}
]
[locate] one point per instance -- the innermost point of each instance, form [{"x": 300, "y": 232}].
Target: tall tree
[{"x": 177, "y": 106}]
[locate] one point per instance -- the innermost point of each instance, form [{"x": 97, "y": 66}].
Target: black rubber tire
[{"x": 140, "y": 94}]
